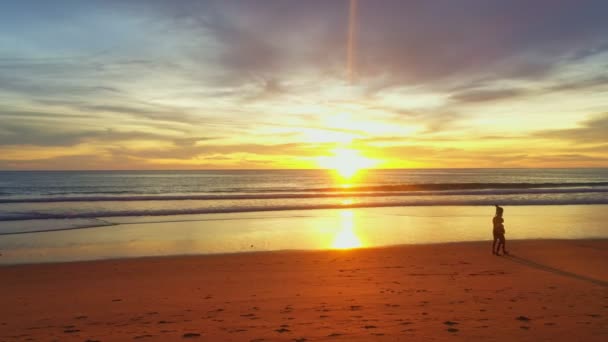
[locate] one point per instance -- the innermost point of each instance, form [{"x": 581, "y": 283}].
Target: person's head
[{"x": 499, "y": 210}]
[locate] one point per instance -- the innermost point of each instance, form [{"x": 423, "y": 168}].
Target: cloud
[
  {"x": 413, "y": 42},
  {"x": 183, "y": 154},
  {"x": 430, "y": 41},
  {"x": 37, "y": 134},
  {"x": 598, "y": 149},
  {"x": 585, "y": 83},
  {"x": 208, "y": 150},
  {"x": 483, "y": 95},
  {"x": 18, "y": 134},
  {"x": 77, "y": 162},
  {"x": 489, "y": 156},
  {"x": 483, "y": 92},
  {"x": 435, "y": 120},
  {"x": 594, "y": 130},
  {"x": 406, "y": 42}
]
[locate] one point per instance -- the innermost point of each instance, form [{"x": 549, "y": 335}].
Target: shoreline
[
  {"x": 555, "y": 289},
  {"x": 305, "y": 208},
  {"x": 288, "y": 251},
  {"x": 293, "y": 230}
]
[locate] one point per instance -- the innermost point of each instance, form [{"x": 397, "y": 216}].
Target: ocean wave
[
  {"x": 263, "y": 208},
  {"x": 376, "y": 191},
  {"x": 48, "y": 225},
  {"x": 462, "y": 186}
]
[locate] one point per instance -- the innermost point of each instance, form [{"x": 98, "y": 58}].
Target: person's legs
[
  {"x": 503, "y": 242},
  {"x": 494, "y": 245},
  {"x": 500, "y": 240}
]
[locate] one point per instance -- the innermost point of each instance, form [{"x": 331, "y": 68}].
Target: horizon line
[{"x": 309, "y": 169}]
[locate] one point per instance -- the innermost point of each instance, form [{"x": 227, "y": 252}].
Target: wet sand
[
  {"x": 300, "y": 229},
  {"x": 547, "y": 290}
]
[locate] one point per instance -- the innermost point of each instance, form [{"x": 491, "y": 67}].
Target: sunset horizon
[{"x": 319, "y": 170}]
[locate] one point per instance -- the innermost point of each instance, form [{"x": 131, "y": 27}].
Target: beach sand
[{"x": 547, "y": 290}]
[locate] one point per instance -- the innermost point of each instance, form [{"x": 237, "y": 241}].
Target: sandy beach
[{"x": 547, "y": 290}]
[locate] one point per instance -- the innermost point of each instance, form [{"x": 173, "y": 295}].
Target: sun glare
[
  {"x": 346, "y": 237},
  {"x": 346, "y": 162}
]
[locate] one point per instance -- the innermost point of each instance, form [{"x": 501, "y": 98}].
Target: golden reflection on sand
[{"x": 346, "y": 237}]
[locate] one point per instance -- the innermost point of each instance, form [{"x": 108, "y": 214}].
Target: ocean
[
  {"x": 39, "y": 195},
  {"x": 82, "y": 215}
]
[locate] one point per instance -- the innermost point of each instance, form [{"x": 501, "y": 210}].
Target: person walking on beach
[{"x": 498, "y": 232}]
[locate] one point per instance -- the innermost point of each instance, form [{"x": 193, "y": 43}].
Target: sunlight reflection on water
[
  {"x": 298, "y": 230},
  {"x": 346, "y": 236}
]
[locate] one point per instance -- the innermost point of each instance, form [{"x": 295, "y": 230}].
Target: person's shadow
[{"x": 553, "y": 270}]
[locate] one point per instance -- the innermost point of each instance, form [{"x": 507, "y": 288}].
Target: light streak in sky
[{"x": 352, "y": 42}]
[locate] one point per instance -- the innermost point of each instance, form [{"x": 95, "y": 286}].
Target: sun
[{"x": 346, "y": 162}]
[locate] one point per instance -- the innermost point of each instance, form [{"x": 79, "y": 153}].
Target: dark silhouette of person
[{"x": 499, "y": 232}]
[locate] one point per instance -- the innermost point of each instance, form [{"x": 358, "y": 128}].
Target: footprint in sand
[
  {"x": 522, "y": 318},
  {"x": 191, "y": 335},
  {"x": 453, "y": 330},
  {"x": 142, "y": 336},
  {"x": 450, "y": 323}
]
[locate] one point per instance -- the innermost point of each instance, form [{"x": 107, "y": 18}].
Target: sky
[{"x": 303, "y": 84}]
